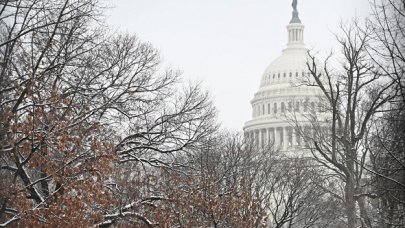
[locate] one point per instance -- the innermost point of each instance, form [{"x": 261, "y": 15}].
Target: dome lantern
[{"x": 295, "y": 30}]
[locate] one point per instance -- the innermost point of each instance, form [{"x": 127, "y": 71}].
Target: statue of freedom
[{"x": 294, "y": 5}]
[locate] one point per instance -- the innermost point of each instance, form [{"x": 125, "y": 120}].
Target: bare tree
[
  {"x": 48, "y": 142},
  {"x": 355, "y": 94},
  {"x": 289, "y": 190},
  {"x": 72, "y": 98},
  {"x": 174, "y": 125},
  {"x": 387, "y": 143},
  {"x": 388, "y": 32},
  {"x": 387, "y": 166},
  {"x": 211, "y": 188}
]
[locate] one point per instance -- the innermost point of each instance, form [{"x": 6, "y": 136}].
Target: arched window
[
  {"x": 268, "y": 108},
  {"x": 275, "y": 107},
  {"x": 282, "y": 107},
  {"x": 263, "y": 109}
]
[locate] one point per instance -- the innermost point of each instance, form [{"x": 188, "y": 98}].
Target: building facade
[{"x": 285, "y": 103}]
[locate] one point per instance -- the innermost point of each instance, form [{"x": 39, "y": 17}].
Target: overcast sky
[{"x": 227, "y": 44}]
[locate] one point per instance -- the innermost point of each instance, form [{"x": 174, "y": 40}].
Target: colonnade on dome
[
  {"x": 283, "y": 138},
  {"x": 280, "y": 107}
]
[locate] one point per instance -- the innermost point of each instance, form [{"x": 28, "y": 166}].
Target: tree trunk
[
  {"x": 363, "y": 212},
  {"x": 350, "y": 203}
]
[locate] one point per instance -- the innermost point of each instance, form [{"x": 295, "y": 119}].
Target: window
[
  {"x": 284, "y": 74},
  {"x": 296, "y": 74},
  {"x": 274, "y": 75},
  {"x": 290, "y": 136},
  {"x": 268, "y": 108},
  {"x": 290, "y": 74},
  {"x": 282, "y": 107},
  {"x": 275, "y": 107},
  {"x": 298, "y": 139},
  {"x": 290, "y": 106},
  {"x": 305, "y": 106},
  {"x": 278, "y": 75},
  {"x": 263, "y": 109},
  {"x": 297, "y": 106}
]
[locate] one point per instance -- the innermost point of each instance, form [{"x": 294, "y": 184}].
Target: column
[
  {"x": 285, "y": 138},
  {"x": 263, "y": 137},
  {"x": 269, "y": 135},
  {"x": 299, "y": 138},
  {"x": 294, "y": 137},
  {"x": 272, "y": 135},
  {"x": 276, "y": 140},
  {"x": 307, "y": 135},
  {"x": 254, "y": 137}
]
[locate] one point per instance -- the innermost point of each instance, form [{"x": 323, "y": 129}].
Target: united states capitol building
[{"x": 284, "y": 106}]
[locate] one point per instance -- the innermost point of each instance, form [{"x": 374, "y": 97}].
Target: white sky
[{"x": 227, "y": 44}]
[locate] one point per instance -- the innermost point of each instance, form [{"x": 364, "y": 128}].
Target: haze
[{"x": 227, "y": 44}]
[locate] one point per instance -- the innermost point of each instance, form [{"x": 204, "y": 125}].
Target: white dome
[
  {"x": 283, "y": 92},
  {"x": 289, "y": 68}
]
